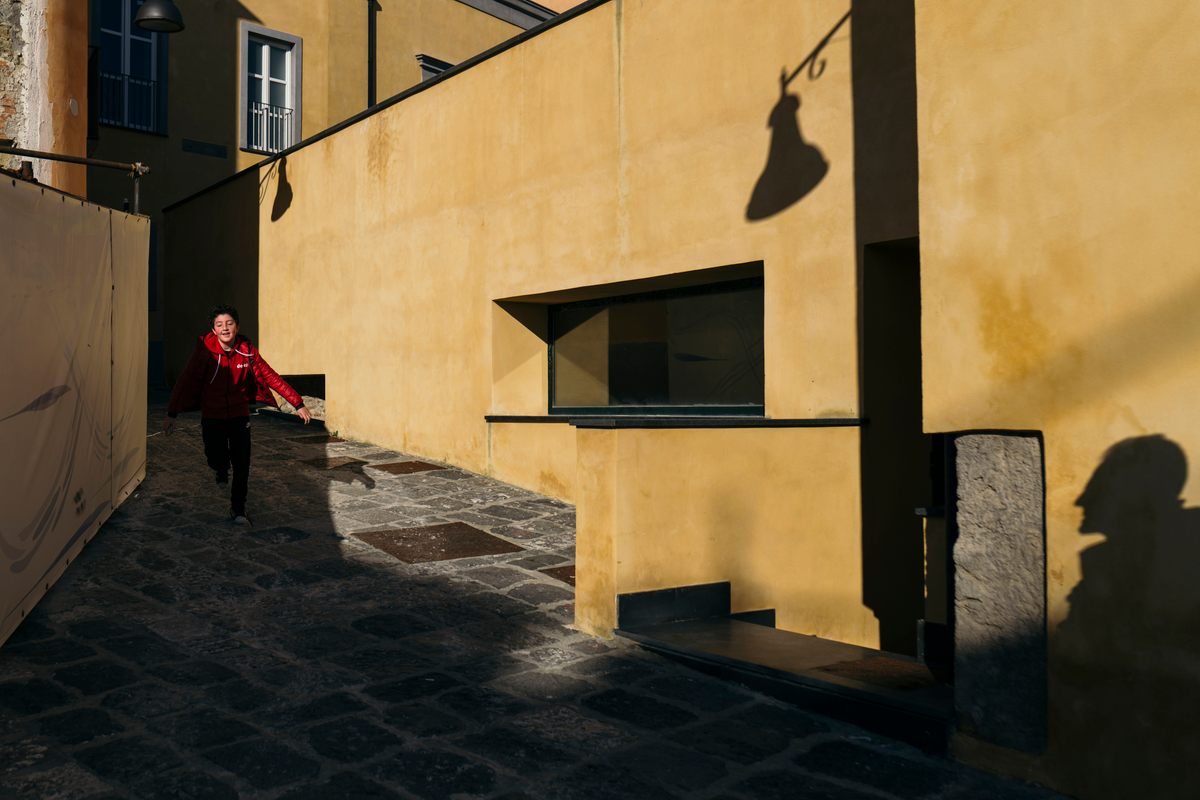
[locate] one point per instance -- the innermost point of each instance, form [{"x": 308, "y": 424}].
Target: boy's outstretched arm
[{"x": 268, "y": 376}]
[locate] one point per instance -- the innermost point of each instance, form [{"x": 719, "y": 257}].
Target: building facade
[
  {"x": 877, "y": 315},
  {"x": 249, "y": 78}
]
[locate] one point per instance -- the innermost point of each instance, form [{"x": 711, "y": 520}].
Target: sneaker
[
  {"x": 222, "y": 477},
  {"x": 238, "y": 517}
]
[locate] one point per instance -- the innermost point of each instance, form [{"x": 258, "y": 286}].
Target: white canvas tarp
[{"x": 73, "y": 396}]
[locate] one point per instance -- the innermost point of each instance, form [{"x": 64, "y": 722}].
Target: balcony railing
[
  {"x": 128, "y": 101},
  {"x": 269, "y": 128}
]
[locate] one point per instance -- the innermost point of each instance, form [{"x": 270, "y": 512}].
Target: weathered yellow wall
[
  {"x": 603, "y": 150},
  {"x": 595, "y": 543},
  {"x": 413, "y": 231},
  {"x": 1061, "y": 283},
  {"x": 770, "y": 510},
  {"x": 541, "y": 457},
  {"x": 560, "y": 5},
  {"x": 66, "y": 56}
]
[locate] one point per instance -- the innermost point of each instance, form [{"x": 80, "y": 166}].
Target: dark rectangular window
[
  {"x": 132, "y": 68},
  {"x": 680, "y": 351}
]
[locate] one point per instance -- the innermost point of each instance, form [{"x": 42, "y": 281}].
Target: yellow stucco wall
[
  {"x": 66, "y": 57},
  {"x": 541, "y": 457},
  {"x": 603, "y": 150},
  {"x": 1059, "y": 167},
  {"x": 769, "y": 510}
]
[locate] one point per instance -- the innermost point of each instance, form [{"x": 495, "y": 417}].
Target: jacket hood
[{"x": 241, "y": 344}]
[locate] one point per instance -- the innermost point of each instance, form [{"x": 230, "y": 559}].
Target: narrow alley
[{"x": 185, "y": 657}]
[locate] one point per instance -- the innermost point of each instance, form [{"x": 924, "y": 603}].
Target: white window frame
[
  {"x": 126, "y": 34},
  {"x": 248, "y": 34}
]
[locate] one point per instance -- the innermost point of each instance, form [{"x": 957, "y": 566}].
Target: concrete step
[{"x": 891, "y": 694}]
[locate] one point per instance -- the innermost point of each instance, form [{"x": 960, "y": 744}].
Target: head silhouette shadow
[
  {"x": 1136, "y": 486},
  {"x": 1128, "y": 652},
  {"x": 794, "y": 167},
  {"x": 1141, "y": 574}
]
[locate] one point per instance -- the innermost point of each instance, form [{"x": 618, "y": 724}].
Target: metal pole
[
  {"x": 371, "y": 8},
  {"x": 89, "y": 162},
  {"x": 135, "y": 169}
]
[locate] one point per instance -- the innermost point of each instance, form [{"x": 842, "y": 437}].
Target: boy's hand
[
  {"x": 304, "y": 414},
  {"x": 168, "y": 424}
]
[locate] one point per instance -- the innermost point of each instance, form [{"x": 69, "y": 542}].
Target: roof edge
[{"x": 522, "y": 13}]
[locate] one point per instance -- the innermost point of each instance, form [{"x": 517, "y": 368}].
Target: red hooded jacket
[{"x": 222, "y": 385}]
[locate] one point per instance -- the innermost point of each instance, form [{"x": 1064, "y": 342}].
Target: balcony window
[
  {"x": 270, "y": 90},
  {"x": 681, "y": 351},
  {"x": 132, "y": 79}
]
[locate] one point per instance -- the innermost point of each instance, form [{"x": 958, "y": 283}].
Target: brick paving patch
[
  {"x": 406, "y": 467},
  {"x": 565, "y": 574},
  {"x": 181, "y": 656},
  {"x": 437, "y": 543}
]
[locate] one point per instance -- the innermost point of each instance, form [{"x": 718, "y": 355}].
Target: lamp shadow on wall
[
  {"x": 1128, "y": 664},
  {"x": 283, "y": 189},
  {"x": 794, "y": 167}
]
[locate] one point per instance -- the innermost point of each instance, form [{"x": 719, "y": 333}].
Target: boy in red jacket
[{"x": 223, "y": 377}]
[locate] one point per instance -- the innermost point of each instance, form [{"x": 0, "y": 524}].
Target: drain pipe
[
  {"x": 371, "y": 9},
  {"x": 135, "y": 169}
]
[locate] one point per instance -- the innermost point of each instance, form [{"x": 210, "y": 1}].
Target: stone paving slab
[{"x": 182, "y": 656}]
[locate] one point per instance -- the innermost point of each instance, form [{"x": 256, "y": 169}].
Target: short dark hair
[{"x": 222, "y": 309}]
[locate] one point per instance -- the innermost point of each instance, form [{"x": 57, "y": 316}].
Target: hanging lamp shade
[{"x": 161, "y": 16}]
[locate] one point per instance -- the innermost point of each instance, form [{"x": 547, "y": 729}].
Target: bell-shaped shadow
[
  {"x": 283, "y": 193},
  {"x": 794, "y": 167},
  {"x": 1129, "y": 651}
]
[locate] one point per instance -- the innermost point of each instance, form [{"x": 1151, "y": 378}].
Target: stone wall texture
[
  {"x": 1000, "y": 590},
  {"x": 12, "y": 76}
]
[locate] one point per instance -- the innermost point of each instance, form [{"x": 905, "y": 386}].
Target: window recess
[
  {"x": 693, "y": 350},
  {"x": 271, "y": 89},
  {"x": 132, "y": 80}
]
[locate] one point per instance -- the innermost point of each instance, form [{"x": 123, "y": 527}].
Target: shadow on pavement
[{"x": 182, "y": 656}]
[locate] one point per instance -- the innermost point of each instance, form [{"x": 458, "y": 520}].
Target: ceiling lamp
[{"x": 160, "y": 16}]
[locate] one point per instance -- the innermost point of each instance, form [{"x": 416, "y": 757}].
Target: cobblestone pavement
[{"x": 184, "y": 657}]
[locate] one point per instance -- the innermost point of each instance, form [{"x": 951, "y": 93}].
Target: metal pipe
[
  {"x": 135, "y": 166},
  {"x": 371, "y": 9},
  {"x": 136, "y": 169}
]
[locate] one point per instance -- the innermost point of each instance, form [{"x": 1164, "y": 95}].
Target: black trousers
[{"x": 227, "y": 443}]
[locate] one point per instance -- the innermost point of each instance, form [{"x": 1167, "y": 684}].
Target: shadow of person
[
  {"x": 283, "y": 193},
  {"x": 794, "y": 167},
  {"x": 350, "y": 474},
  {"x": 1128, "y": 666}
]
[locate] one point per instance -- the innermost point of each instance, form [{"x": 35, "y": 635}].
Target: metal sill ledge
[{"x": 680, "y": 422}]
